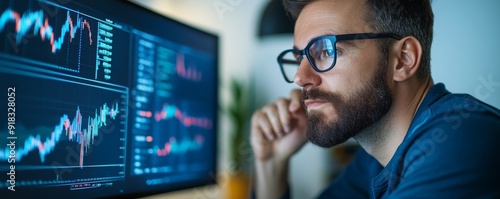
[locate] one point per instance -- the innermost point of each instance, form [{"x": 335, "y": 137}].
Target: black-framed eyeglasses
[{"x": 321, "y": 52}]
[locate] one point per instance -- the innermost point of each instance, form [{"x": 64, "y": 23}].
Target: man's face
[{"x": 354, "y": 94}]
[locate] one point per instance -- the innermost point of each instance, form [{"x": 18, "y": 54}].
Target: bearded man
[{"x": 364, "y": 70}]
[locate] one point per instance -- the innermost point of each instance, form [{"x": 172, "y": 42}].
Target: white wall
[
  {"x": 465, "y": 57},
  {"x": 466, "y": 48}
]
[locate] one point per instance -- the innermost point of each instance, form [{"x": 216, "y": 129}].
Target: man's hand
[{"x": 278, "y": 131}]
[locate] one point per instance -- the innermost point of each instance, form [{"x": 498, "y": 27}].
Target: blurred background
[{"x": 465, "y": 56}]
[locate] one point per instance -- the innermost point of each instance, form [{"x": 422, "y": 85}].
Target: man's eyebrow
[
  {"x": 310, "y": 39},
  {"x": 350, "y": 43},
  {"x": 331, "y": 33}
]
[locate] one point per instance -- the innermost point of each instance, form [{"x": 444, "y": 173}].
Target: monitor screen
[{"x": 103, "y": 99}]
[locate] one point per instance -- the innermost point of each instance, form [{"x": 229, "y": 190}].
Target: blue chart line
[
  {"x": 175, "y": 147},
  {"x": 40, "y": 26},
  {"x": 171, "y": 111},
  {"x": 72, "y": 129}
]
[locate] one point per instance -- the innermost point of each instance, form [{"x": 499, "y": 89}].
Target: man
[{"x": 364, "y": 69}]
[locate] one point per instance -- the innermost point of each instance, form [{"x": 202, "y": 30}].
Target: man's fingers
[
  {"x": 260, "y": 137},
  {"x": 273, "y": 118},
  {"x": 265, "y": 125},
  {"x": 260, "y": 143},
  {"x": 284, "y": 115},
  {"x": 295, "y": 103}
]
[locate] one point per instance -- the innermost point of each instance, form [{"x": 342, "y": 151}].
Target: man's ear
[{"x": 406, "y": 55}]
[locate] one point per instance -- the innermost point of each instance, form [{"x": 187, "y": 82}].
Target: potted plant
[{"x": 238, "y": 178}]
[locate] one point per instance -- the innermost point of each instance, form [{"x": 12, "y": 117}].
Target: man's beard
[{"x": 361, "y": 110}]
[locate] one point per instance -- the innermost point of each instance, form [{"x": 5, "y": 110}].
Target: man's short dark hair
[{"x": 402, "y": 17}]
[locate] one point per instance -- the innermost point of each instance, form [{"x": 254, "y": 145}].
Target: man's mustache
[{"x": 317, "y": 94}]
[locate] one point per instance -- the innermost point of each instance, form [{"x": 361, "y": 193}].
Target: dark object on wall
[{"x": 274, "y": 20}]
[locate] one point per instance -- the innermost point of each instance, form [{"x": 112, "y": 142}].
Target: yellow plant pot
[{"x": 237, "y": 186}]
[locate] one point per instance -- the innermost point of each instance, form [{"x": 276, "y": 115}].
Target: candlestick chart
[
  {"x": 36, "y": 24},
  {"x": 30, "y": 31},
  {"x": 64, "y": 128},
  {"x": 67, "y": 129},
  {"x": 62, "y": 40}
]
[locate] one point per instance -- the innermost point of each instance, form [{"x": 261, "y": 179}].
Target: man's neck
[{"x": 382, "y": 139}]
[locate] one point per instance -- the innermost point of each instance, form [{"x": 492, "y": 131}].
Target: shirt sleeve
[
  {"x": 458, "y": 156},
  {"x": 354, "y": 181}
]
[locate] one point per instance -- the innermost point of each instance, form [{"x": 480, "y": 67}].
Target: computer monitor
[{"x": 103, "y": 99}]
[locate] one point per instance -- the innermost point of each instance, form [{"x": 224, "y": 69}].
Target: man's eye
[
  {"x": 327, "y": 54},
  {"x": 339, "y": 51}
]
